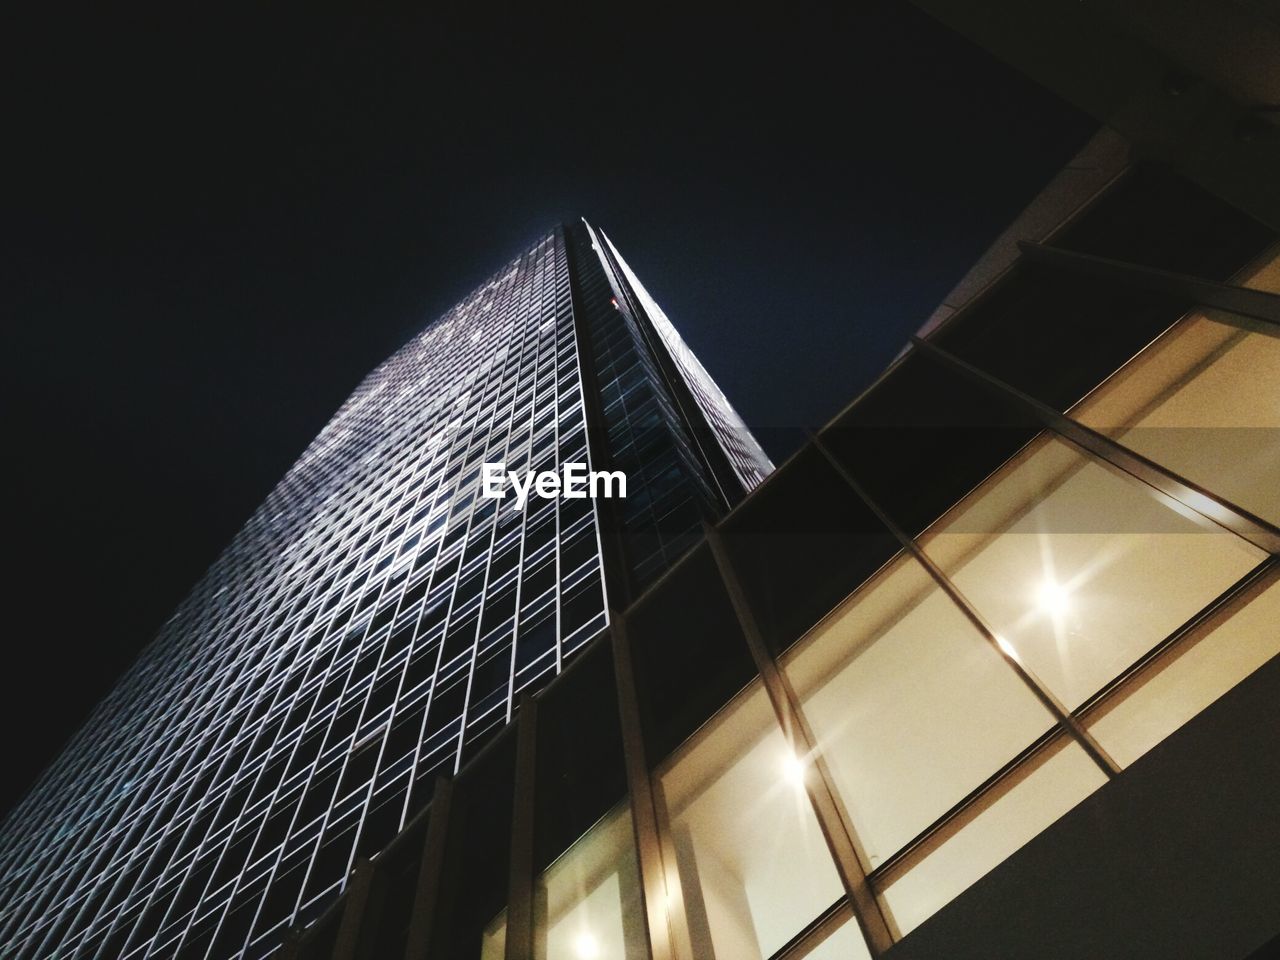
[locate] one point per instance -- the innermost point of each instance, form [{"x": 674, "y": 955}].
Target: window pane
[
  {"x": 1202, "y": 671},
  {"x": 690, "y": 654},
  {"x": 1267, "y": 276},
  {"x": 588, "y": 902},
  {"x": 1082, "y": 569},
  {"x": 911, "y": 707},
  {"x": 1204, "y": 400},
  {"x": 1053, "y": 788},
  {"x": 843, "y": 943},
  {"x": 493, "y": 945},
  {"x": 753, "y": 866}
]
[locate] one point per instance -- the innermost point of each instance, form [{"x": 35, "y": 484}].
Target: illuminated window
[
  {"x": 493, "y": 945},
  {"x": 1204, "y": 401},
  {"x": 1265, "y": 277},
  {"x": 753, "y": 867},
  {"x": 911, "y": 707},
  {"x": 1082, "y": 570},
  {"x": 1211, "y": 661},
  {"x": 1003, "y": 819},
  {"x": 587, "y": 903}
]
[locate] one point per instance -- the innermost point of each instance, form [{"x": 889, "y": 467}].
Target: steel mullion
[
  {"x": 593, "y": 430},
  {"x": 519, "y": 942},
  {"x": 622, "y": 288},
  {"x": 1025, "y": 762},
  {"x": 122, "y": 818},
  {"x": 247, "y": 661},
  {"x": 520, "y": 360},
  {"x": 644, "y": 817},
  {"x": 391, "y": 506},
  {"x": 824, "y": 798},
  {"x": 463, "y": 449},
  {"x": 439, "y": 460},
  {"x": 423, "y": 493},
  {"x": 816, "y": 933},
  {"x": 20, "y": 923},
  {"x": 426, "y": 896},
  {"x": 359, "y": 913},
  {"x": 384, "y": 509},
  {"x": 354, "y": 547}
]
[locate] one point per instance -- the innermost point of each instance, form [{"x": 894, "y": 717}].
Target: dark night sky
[{"x": 217, "y": 219}]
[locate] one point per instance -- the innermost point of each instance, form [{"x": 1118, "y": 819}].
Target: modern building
[
  {"x": 376, "y": 619},
  {"x": 987, "y": 669}
]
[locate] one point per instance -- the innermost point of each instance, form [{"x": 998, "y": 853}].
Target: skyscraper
[{"x": 373, "y": 623}]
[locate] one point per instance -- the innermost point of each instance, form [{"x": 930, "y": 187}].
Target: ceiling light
[
  {"x": 1053, "y": 598},
  {"x": 586, "y": 946},
  {"x": 793, "y": 769}
]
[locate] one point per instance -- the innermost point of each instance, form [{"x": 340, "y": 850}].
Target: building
[
  {"x": 376, "y": 619},
  {"x": 988, "y": 668}
]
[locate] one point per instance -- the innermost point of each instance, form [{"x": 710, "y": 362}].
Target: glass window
[
  {"x": 835, "y": 937},
  {"x": 1081, "y": 569},
  {"x": 1203, "y": 400},
  {"x": 587, "y": 903},
  {"x": 1200, "y": 670},
  {"x": 753, "y": 866},
  {"x": 912, "y": 708},
  {"x": 802, "y": 544},
  {"x": 844, "y": 943},
  {"x": 1265, "y": 277},
  {"x": 690, "y": 655},
  {"x": 1035, "y": 798},
  {"x": 493, "y": 942}
]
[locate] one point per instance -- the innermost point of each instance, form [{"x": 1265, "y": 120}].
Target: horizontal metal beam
[
  {"x": 1194, "y": 497},
  {"x": 1251, "y": 303}
]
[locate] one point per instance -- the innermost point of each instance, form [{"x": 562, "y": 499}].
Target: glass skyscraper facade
[{"x": 374, "y": 623}]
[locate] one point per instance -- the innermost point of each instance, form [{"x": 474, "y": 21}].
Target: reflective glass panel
[
  {"x": 1204, "y": 401},
  {"x": 1031, "y": 805},
  {"x": 1265, "y": 277},
  {"x": 753, "y": 867},
  {"x": 1200, "y": 670},
  {"x": 912, "y": 708},
  {"x": 843, "y": 943},
  {"x": 1082, "y": 569},
  {"x": 588, "y": 903},
  {"x": 493, "y": 945}
]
